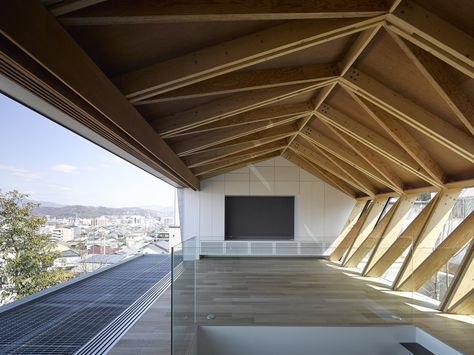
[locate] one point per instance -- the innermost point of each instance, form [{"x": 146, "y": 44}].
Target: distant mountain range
[
  {"x": 48, "y": 204},
  {"x": 56, "y": 210}
]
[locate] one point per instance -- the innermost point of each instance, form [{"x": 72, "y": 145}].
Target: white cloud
[
  {"x": 20, "y": 172},
  {"x": 64, "y": 168}
]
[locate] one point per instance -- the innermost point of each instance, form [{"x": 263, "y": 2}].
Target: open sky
[{"x": 51, "y": 163}]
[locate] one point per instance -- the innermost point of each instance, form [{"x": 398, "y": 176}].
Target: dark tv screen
[{"x": 259, "y": 217}]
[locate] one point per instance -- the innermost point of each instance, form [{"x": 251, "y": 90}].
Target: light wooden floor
[
  {"x": 242, "y": 291},
  {"x": 151, "y": 334}
]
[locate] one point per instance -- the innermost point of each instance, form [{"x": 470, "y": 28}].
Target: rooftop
[{"x": 65, "y": 320}]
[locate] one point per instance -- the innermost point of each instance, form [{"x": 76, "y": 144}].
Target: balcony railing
[{"x": 261, "y": 248}]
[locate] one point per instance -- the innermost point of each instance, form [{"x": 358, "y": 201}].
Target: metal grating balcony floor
[{"x": 63, "y": 321}]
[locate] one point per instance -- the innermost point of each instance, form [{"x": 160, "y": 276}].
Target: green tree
[{"x": 26, "y": 255}]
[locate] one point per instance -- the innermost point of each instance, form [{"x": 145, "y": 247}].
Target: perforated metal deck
[{"x": 63, "y": 321}]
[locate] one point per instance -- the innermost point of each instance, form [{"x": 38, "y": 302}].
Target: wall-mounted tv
[{"x": 259, "y": 217}]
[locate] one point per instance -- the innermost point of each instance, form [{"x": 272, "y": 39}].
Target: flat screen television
[{"x": 259, "y": 218}]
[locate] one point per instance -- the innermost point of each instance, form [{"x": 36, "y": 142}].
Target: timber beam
[
  {"x": 415, "y": 116},
  {"x": 372, "y": 140},
  {"x": 402, "y": 242},
  {"x": 389, "y": 235},
  {"x": 440, "y": 256},
  {"x": 223, "y": 108},
  {"x": 423, "y": 244},
  {"x": 320, "y": 173},
  {"x": 459, "y": 297},
  {"x": 377, "y": 207},
  {"x": 181, "y": 11},
  {"x": 199, "y": 142},
  {"x": 238, "y": 165},
  {"x": 435, "y": 35},
  {"x": 235, "y": 82},
  {"x": 236, "y": 54},
  {"x": 362, "y": 247}
]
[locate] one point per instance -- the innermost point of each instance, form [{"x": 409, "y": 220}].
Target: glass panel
[
  {"x": 183, "y": 302},
  {"x": 439, "y": 283},
  {"x": 273, "y": 283},
  {"x": 391, "y": 201},
  {"x": 388, "y": 206},
  {"x": 421, "y": 202}
]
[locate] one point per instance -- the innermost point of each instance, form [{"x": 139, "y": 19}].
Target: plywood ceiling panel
[
  {"x": 123, "y": 48},
  {"x": 385, "y": 61}
]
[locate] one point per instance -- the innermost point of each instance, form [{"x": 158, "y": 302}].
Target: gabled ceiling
[{"x": 371, "y": 96}]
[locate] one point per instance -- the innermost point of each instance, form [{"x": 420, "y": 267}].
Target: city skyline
[{"x": 67, "y": 169}]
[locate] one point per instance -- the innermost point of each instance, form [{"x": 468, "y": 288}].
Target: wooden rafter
[
  {"x": 350, "y": 57},
  {"x": 351, "y": 220},
  {"x": 15, "y": 66},
  {"x": 373, "y": 140},
  {"x": 236, "y": 54},
  {"x": 460, "y": 293},
  {"x": 267, "y": 147},
  {"x": 311, "y": 154},
  {"x": 403, "y": 137},
  {"x": 247, "y": 140},
  {"x": 356, "y": 49},
  {"x": 202, "y": 158},
  {"x": 296, "y": 110},
  {"x": 371, "y": 157},
  {"x": 394, "y": 5},
  {"x": 377, "y": 207},
  {"x": 435, "y": 71},
  {"x": 391, "y": 233},
  {"x": 343, "y": 153},
  {"x": 403, "y": 241},
  {"x": 320, "y": 97},
  {"x": 349, "y": 238},
  {"x": 424, "y": 243},
  {"x": 396, "y": 104},
  {"x": 360, "y": 179},
  {"x": 362, "y": 246},
  {"x": 430, "y": 32},
  {"x": 67, "y": 6},
  {"x": 226, "y": 107},
  {"x": 38, "y": 34},
  {"x": 199, "y": 142},
  {"x": 238, "y": 158},
  {"x": 250, "y": 80},
  {"x": 320, "y": 173},
  {"x": 239, "y": 165},
  {"x": 440, "y": 256},
  {"x": 142, "y": 11}
]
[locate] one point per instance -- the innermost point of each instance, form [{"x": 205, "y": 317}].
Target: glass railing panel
[
  {"x": 440, "y": 279},
  {"x": 309, "y": 246},
  {"x": 289, "y": 283},
  {"x": 183, "y": 310}
]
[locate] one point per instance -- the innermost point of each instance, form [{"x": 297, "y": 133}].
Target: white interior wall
[
  {"x": 342, "y": 340},
  {"x": 320, "y": 209}
]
